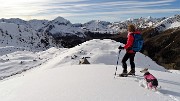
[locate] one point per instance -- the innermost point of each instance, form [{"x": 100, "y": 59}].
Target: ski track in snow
[{"x": 142, "y": 83}]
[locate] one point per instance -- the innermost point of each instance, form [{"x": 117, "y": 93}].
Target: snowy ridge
[
  {"x": 97, "y": 50},
  {"x": 37, "y": 24},
  {"x": 34, "y": 24},
  {"x": 139, "y": 23},
  {"x": 20, "y": 36},
  {"x": 98, "y": 26},
  {"x": 15, "y": 21},
  {"x": 168, "y": 23},
  {"x": 60, "y": 78},
  {"x": 62, "y": 27},
  {"x": 61, "y": 20}
]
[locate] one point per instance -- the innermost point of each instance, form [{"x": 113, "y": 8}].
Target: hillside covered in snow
[{"x": 57, "y": 76}]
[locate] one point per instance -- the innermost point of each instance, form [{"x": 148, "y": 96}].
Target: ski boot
[
  {"x": 132, "y": 72},
  {"x": 123, "y": 74}
]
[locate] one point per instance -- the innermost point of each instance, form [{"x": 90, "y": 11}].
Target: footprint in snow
[{"x": 173, "y": 98}]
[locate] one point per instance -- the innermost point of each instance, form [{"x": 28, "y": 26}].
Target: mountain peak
[
  {"x": 170, "y": 22},
  {"x": 61, "y": 20},
  {"x": 149, "y": 17},
  {"x": 130, "y": 19}
]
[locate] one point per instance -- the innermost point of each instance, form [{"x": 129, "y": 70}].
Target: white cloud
[
  {"x": 48, "y": 9},
  {"x": 22, "y": 8},
  {"x": 133, "y": 11},
  {"x": 119, "y": 3}
]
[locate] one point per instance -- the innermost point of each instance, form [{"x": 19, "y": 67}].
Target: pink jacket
[{"x": 149, "y": 76}]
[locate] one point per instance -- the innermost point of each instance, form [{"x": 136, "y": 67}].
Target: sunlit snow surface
[{"x": 58, "y": 77}]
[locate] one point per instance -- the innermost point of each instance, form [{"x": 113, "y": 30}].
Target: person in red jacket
[{"x": 130, "y": 54}]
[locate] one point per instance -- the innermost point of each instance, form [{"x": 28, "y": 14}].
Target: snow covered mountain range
[
  {"x": 42, "y": 33},
  {"x": 63, "y": 26}
]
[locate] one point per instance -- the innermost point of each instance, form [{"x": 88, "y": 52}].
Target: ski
[{"x": 125, "y": 75}]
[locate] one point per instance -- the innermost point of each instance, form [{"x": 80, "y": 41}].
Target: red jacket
[{"x": 130, "y": 41}]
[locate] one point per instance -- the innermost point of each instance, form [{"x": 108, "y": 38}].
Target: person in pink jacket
[{"x": 130, "y": 54}]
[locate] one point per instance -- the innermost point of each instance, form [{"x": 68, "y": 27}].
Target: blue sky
[{"x": 81, "y": 11}]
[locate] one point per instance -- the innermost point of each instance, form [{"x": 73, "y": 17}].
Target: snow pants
[{"x": 129, "y": 56}]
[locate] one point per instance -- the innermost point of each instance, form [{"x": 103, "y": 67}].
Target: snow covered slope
[
  {"x": 170, "y": 22},
  {"x": 37, "y": 24},
  {"x": 16, "y": 60},
  {"x": 62, "y": 79},
  {"x": 98, "y": 26},
  {"x": 62, "y": 27},
  {"x": 18, "y": 35},
  {"x": 15, "y": 21},
  {"x": 121, "y": 26},
  {"x": 23, "y": 38},
  {"x": 34, "y": 24}
]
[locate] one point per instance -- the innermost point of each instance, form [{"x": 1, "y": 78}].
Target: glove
[{"x": 120, "y": 47}]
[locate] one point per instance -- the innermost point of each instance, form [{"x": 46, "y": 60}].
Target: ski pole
[{"x": 117, "y": 63}]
